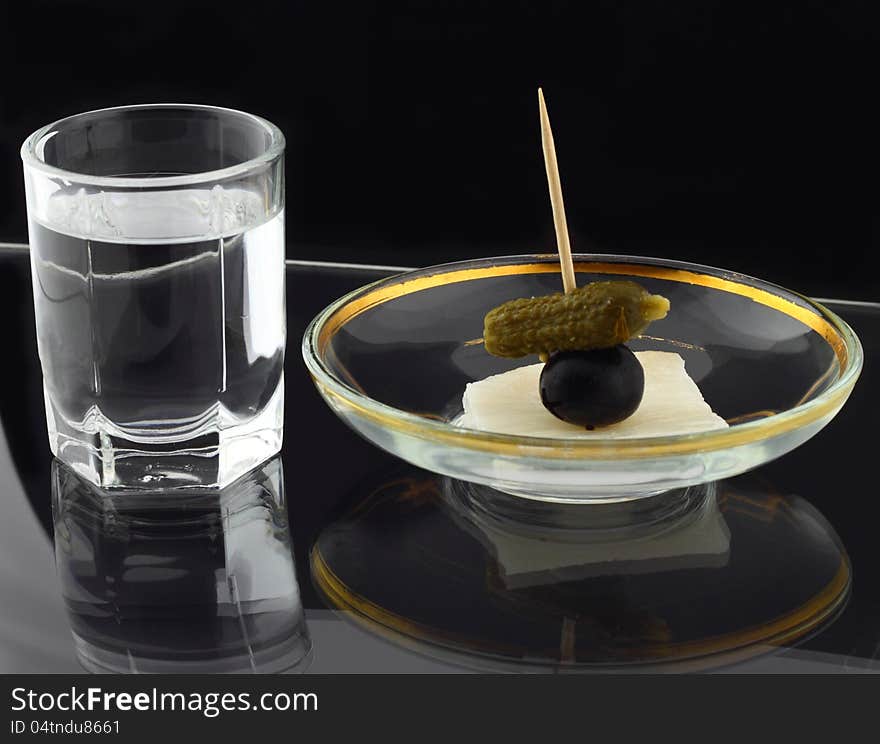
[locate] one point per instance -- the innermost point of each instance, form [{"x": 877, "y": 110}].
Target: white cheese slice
[{"x": 510, "y": 403}]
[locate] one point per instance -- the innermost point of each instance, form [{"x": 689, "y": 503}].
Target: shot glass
[{"x": 157, "y": 257}]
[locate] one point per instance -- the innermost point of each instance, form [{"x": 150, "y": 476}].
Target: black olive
[{"x": 593, "y": 388}]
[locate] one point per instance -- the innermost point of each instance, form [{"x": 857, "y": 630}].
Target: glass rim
[{"x": 275, "y": 149}]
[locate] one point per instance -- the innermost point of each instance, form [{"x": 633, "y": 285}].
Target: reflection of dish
[
  {"x": 392, "y": 360},
  {"x": 703, "y": 578},
  {"x": 180, "y": 581},
  {"x": 690, "y": 537}
]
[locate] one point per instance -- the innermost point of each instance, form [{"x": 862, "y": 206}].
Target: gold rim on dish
[{"x": 815, "y": 316}]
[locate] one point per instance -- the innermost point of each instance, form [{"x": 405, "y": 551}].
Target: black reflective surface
[{"x": 329, "y": 471}]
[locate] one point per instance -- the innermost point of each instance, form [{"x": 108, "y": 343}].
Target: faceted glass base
[{"x": 212, "y": 454}]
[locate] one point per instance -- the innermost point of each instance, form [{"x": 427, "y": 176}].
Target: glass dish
[{"x": 392, "y": 360}]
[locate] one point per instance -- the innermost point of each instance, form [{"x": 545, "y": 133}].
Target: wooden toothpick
[{"x": 568, "y": 281}]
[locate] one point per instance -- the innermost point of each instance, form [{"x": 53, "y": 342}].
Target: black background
[{"x": 721, "y": 132}]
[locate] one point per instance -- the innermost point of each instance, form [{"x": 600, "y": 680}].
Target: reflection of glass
[
  {"x": 693, "y": 579},
  {"x": 180, "y": 581},
  {"x": 157, "y": 247}
]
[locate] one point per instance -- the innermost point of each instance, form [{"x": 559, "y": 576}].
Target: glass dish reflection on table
[
  {"x": 699, "y": 579},
  {"x": 392, "y": 360}
]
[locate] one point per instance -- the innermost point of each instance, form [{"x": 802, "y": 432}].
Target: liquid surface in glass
[{"x": 161, "y": 344}]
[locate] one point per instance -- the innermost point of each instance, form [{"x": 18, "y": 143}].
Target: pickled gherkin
[{"x": 597, "y": 315}]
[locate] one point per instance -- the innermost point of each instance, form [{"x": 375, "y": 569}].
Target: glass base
[{"x": 213, "y": 454}]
